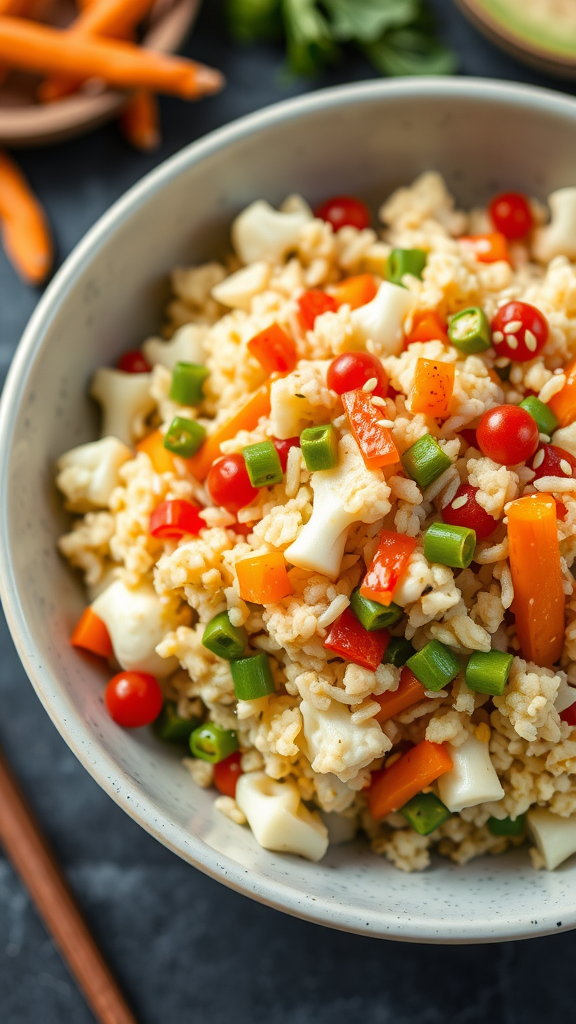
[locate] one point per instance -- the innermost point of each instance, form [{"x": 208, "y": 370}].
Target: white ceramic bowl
[{"x": 365, "y": 139}]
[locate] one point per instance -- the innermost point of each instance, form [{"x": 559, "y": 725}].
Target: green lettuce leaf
[
  {"x": 308, "y": 37},
  {"x": 411, "y": 52},
  {"x": 254, "y": 19},
  {"x": 366, "y": 20}
]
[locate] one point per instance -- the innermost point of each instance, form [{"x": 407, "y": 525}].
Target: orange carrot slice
[
  {"x": 409, "y": 692},
  {"x": 355, "y": 291},
  {"x": 257, "y": 405},
  {"x": 395, "y": 786},
  {"x": 263, "y": 579},
  {"x": 91, "y": 634},
  {"x": 563, "y": 403}
]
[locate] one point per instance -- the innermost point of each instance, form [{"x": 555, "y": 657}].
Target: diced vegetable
[
  {"x": 224, "y": 639},
  {"x": 386, "y": 568},
  {"x": 553, "y": 461},
  {"x": 263, "y": 579},
  {"x": 162, "y": 460},
  {"x": 393, "y": 787},
  {"x": 563, "y": 404},
  {"x": 537, "y": 578},
  {"x": 252, "y": 677},
  {"x": 464, "y": 510},
  {"x": 247, "y": 417},
  {"x": 382, "y": 320},
  {"x": 372, "y": 614},
  {"x": 137, "y": 621},
  {"x": 352, "y": 370},
  {"x": 511, "y": 215},
  {"x": 349, "y": 639},
  {"x": 472, "y": 779},
  {"x": 435, "y": 665},
  {"x": 263, "y": 464},
  {"x": 519, "y": 331},
  {"x": 133, "y": 699},
  {"x": 187, "y": 383},
  {"x": 374, "y": 441},
  {"x": 405, "y": 261},
  {"x": 507, "y": 434},
  {"x": 274, "y": 349},
  {"x": 507, "y": 826},
  {"x": 312, "y": 304},
  {"x": 283, "y": 448},
  {"x": 355, "y": 291},
  {"x": 469, "y": 331},
  {"x": 175, "y": 518},
  {"x": 25, "y": 231},
  {"x": 278, "y": 817},
  {"x": 489, "y": 248},
  {"x": 425, "y": 812},
  {"x": 133, "y": 362},
  {"x": 398, "y": 651},
  {"x": 319, "y": 447},
  {"x": 427, "y": 326},
  {"x": 410, "y": 691},
  {"x": 488, "y": 671},
  {"x": 227, "y": 773},
  {"x": 425, "y": 460},
  {"x": 210, "y": 742},
  {"x": 432, "y": 388},
  {"x": 541, "y": 413},
  {"x": 184, "y": 437},
  {"x": 92, "y": 635},
  {"x": 450, "y": 545},
  {"x": 229, "y": 484},
  {"x": 170, "y": 726},
  {"x": 554, "y": 836},
  {"x": 344, "y": 211}
]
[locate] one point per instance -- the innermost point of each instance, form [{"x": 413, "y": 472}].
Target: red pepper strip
[
  {"x": 395, "y": 786},
  {"x": 375, "y": 442},
  {"x": 387, "y": 566},
  {"x": 394, "y": 702},
  {"x": 314, "y": 303},
  {"x": 427, "y": 326},
  {"x": 274, "y": 349},
  {"x": 489, "y": 248},
  {"x": 175, "y": 519},
  {"x": 351, "y": 641}
]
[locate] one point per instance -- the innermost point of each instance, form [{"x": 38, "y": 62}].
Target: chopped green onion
[
  {"x": 469, "y": 331},
  {"x": 450, "y": 545},
  {"x": 252, "y": 677},
  {"x": 373, "y": 615},
  {"x": 398, "y": 651},
  {"x": 507, "y": 827},
  {"x": 224, "y": 639},
  {"x": 425, "y": 812},
  {"x": 488, "y": 671},
  {"x": 319, "y": 447},
  {"x": 405, "y": 261},
  {"x": 545, "y": 418},
  {"x": 184, "y": 437},
  {"x": 263, "y": 464},
  {"x": 435, "y": 665},
  {"x": 171, "y": 726},
  {"x": 425, "y": 460},
  {"x": 187, "y": 383},
  {"x": 212, "y": 743}
]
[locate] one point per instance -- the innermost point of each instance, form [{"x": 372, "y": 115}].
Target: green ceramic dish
[{"x": 538, "y": 32}]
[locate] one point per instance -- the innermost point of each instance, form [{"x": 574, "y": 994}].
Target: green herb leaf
[
  {"x": 308, "y": 37},
  {"x": 254, "y": 19},
  {"x": 410, "y": 52},
  {"x": 366, "y": 20}
]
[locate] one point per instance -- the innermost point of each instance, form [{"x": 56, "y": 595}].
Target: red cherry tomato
[
  {"x": 511, "y": 215},
  {"x": 227, "y": 773},
  {"x": 469, "y": 436},
  {"x": 314, "y": 303},
  {"x": 507, "y": 434},
  {"x": 553, "y": 461},
  {"x": 519, "y": 331},
  {"x": 133, "y": 362},
  {"x": 283, "y": 447},
  {"x": 569, "y": 715},
  {"x": 351, "y": 370},
  {"x": 174, "y": 519},
  {"x": 133, "y": 699},
  {"x": 464, "y": 510},
  {"x": 229, "y": 484},
  {"x": 344, "y": 211}
]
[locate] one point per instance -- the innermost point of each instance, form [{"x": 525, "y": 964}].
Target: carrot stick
[
  {"x": 245, "y": 419},
  {"x": 25, "y": 232},
  {"x": 392, "y": 703},
  {"x": 92, "y": 635},
  {"x": 140, "y": 121},
  {"x": 563, "y": 404},
  {"x": 537, "y": 578},
  {"x": 263, "y": 579},
  {"x": 395, "y": 786},
  {"x": 38, "y": 48}
]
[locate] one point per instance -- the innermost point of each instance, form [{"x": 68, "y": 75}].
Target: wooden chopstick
[{"x": 31, "y": 856}]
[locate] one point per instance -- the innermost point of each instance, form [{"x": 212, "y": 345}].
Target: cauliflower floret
[
  {"x": 262, "y": 233},
  {"x": 338, "y": 745},
  {"x": 238, "y": 290},
  {"x": 126, "y": 402},
  {"x": 87, "y": 546},
  {"x": 87, "y": 475},
  {"x": 137, "y": 621},
  {"x": 278, "y": 818},
  {"x": 185, "y": 346},
  {"x": 300, "y": 399}
]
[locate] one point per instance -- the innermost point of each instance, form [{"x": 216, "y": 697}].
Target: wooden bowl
[
  {"x": 546, "y": 41},
  {"x": 24, "y": 122}
]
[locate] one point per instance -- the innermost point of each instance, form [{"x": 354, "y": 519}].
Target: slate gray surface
[{"x": 184, "y": 948}]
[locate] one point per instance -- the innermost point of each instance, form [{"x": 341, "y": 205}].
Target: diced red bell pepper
[
  {"x": 227, "y": 773},
  {"x": 375, "y": 442},
  {"x": 312, "y": 304},
  {"x": 351, "y": 641},
  {"x": 387, "y": 566},
  {"x": 427, "y": 326},
  {"x": 174, "y": 519},
  {"x": 274, "y": 349}
]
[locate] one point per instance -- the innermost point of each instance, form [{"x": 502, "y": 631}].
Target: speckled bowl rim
[{"x": 81, "y": 740}]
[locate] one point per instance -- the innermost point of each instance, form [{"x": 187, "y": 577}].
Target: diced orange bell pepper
[
  {"x": 355, "y": 291},
  {"x": 563, "y": 403},
  {"x": 256, "y": 406},
  {"x": 263, "y": 579},
  {"x": 162, "y": 460},
  {"x": 375, "y": 442},
  {"x": 92, "y": 635},
  {"x": 489, "y": 248},
  {"x": 274, "y": 349},
  {"x": 393, "y": 787},
  {"x": 432, "y": 388},
  {"x": 427, "y": 326},
  {"x": 392, "y": 703},
  {"x": 387, "y": 566}
]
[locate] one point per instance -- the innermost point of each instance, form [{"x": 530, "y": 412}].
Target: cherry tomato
[
  {"x": 351, "y": 370},
  {"x": 314, "y": 303},
  {"x": 344, "y": 211},
  {"x": 469, "y": 436},
  {"x": 465, "y": 510},
  {"x": 511, "y": 215},
  {"x": 133, "y": 362},
  {"x": 174, "y": 519},
  {"x": 561, "y": 511},
  {"x": 133, "y": 699},
  {"x": 283, "y": 447},
  {"x": 569, "y": 715},
  {"x": 227, "y": 773},
  {"x": 229, "y": 484},
  {"x": 519, "y": 331},
  {"x": 552, "y": 461},
  {"x": 507, "y": 434}
]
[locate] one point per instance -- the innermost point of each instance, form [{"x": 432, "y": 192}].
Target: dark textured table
[{"x": 184, "y": 948}]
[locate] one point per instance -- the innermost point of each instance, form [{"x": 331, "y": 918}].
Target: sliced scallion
[
  {"x": 507, "y": 826},
  {"x": 488, "y": 671},
  {"x": 184, "y": 437},
  {"x": 210, "y": 742},
  {"x": 252, "y": 677},
  {"x": 434, "y": 666},
  {"x": 398, "y": 651},
  {"x": 187, "y": 383},
  {"x": 469, "y": 331},
  {"x": 171, "y": 726},
  {"x": 224, "y": 639},
  {"x": 405, "y": 261},
  {"x": 425, "y": 812},
  {"x": 263, "y": 464},
  {"x": 373, "y": 615},
  {"x": 425, "y": 460},
  {"x": 545, "y": 418},
  {"x": 450, "y": 545},
  {"x": 319, "y": 447}
]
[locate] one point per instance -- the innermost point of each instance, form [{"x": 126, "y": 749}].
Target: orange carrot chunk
[
  {"x": 374, "y": 441},
  {"x": 409, "y": 692},
  {"x": 432, "y": 388},
  {"x": 257, "y": 405},
  {"x": 274, "y": 349},
  {"x": 563, "y": 403},
  {"x": 539, "y": 598},
  {"x": 263, "y": 579},
  {"x": 25, "y": 232},
  {"x": 427, "y": 326},
  {"x": 91, "y": 634},
  {"x": 162, "y": 460},
  {"x": 489, "y": 248},
  {"x": 140, "y": 121},
  {"x": 393, "y": 787},
  {"x": 355, "y": 291},
  {"x": 387, "y": 566}
]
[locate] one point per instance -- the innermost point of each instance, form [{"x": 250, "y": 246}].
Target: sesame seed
[
  {"x": 497, "y": 337},
  {"x": 381, "y": 402},
  {"x": 544, "y": 438},
  {"x": 370, "y": 384},
  {"x": 512, "y": 341},
  {"x": 538, "y": 459},
  {"x": 566, "y": 467},
  {"x": 512, "y": 327},
  {"x": 530, "y": 341},
  {"x": 460, "y": 502},
  {"x": 385, "y": 423}
]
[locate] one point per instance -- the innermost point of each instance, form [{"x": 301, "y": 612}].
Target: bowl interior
[{"x": 365, "y": 139}]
